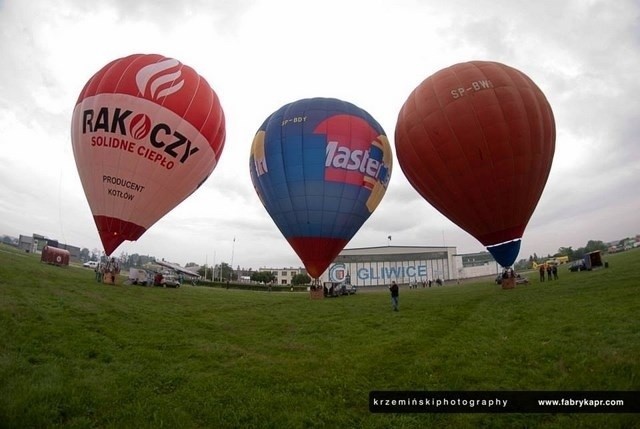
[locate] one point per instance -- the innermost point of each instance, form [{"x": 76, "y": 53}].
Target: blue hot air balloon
[{"x": 320, "y": 167}]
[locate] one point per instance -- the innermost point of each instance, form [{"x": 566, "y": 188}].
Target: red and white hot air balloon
[{"x": 146, "y": 132}]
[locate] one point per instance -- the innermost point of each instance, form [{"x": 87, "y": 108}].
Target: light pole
[{"x": 233, "y": 248}]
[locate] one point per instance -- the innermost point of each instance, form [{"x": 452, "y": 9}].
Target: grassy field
[{"x": 78, "y": 354}]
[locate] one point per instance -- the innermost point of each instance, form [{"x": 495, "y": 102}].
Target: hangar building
[{"x": 378, "y": 266}]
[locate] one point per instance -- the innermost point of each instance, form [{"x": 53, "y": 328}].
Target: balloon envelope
[
  {"x": 476, "y": 140},
  {"x": 320, "y": 167},
  {"x": 146, "y": 132}
]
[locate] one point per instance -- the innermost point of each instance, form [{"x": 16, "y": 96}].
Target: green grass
[{"x": 78, "y": 354}]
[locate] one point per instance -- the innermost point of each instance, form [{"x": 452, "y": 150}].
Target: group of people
[
  {"x": 550, "y": 269},
  {"x": 106, "y": 272},
  {"x": 425, "y": 283}
]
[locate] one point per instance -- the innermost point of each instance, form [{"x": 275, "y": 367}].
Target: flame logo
[
  {"x": 140, "y": 126},
  {"x": 156, "y": 80}
]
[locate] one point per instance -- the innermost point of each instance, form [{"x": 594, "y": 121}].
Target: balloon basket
[
  {"x": 110, "y": 279},
  {"x": 316, "y": 293},
  {"x": 509, "y": 283}
]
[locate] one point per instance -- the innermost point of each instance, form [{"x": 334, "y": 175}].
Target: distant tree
[
  {"x": 191, "y": 264},
  {"x": 223, "y": 272},
  {"x": 85, "y": 254},
  {"x": 565, "y": 251},
  {"x": 263, "y": 276},
  {"x": 123, "y": 260},
  {"x": 206, "y": 272},
  {"x": 145, "y": 259},
  {"x": 226, "y": 270},
  {"x": 593, "y": 245},
  {"x": 301, "y": 279},
  {"x": 520, "y": 265},
  {"x": 133, "y": 260}
]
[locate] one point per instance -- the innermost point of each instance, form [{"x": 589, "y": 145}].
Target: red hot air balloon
[
  {"x": 476, "y": 140},
  {"x": 147, "y": 131}
]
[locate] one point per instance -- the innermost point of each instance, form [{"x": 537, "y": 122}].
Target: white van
[
  {"x": 139, "y": 276},
  {"x": 90, "y": 264}
]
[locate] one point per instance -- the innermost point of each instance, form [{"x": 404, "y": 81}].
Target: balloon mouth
[
  {"x": 499, "y": 237},
  {"x": 317, "y": 253},
  {"x": 113, "y": 232},
  {"x": 505, "y": 253}
]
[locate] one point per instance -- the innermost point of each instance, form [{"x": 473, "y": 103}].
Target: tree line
[
  {"x": 220, "y": 272},
  {"x": 572, "y": 254}
]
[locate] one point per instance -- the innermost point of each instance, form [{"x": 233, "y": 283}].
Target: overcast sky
[{"x": 259, "y": 55}]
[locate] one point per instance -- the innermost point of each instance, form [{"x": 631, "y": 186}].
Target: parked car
[
  {"x": 333, "y": 289},
  {"x": 90, "y": 264},
  {"x": 171, "y": 281},
  {"x": 350, "y": 289},
  {"x": 577, "y": 266}
]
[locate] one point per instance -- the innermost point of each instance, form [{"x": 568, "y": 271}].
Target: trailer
[
  {"x": 139, "y": 276},
  {"x": 593, "y": 260},
  {"x": 54, "y": 256}
]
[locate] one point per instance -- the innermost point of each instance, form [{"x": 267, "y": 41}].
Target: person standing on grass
[
  {"x": 541, "y": 269},
  {"x": 395, "y": 293}
]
